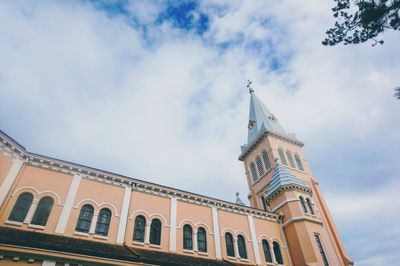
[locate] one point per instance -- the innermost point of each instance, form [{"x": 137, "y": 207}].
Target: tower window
[
  {"x": 267, "y": 251},
  {"x": 298, "y": 161},
  {"x": 260, "y": 166},
  {"x": 138, "y": 231},
  {"x": 253, "y": 172},
  {"x": 21, "y": 207},
  {"x": 201, "y": 240},
  {"x": 85, "y": 219},
  {"x": 103, "y": 222},
  {"x": 282, "y": 156},
  {"x": 321, "y": 250},
  {"x": 303, "y": 204},
  {"x": 290, "y": 158},
  {"x": 187, "y": 237},
  {"x": 310, "y": 207},
  {"x": 266, "y": 160},
  {"x": 230, "y": 250},
  {"x": 155, "y": 232},
  {"x": 42, "y": 211},
  {"x": 242, "y": 247},
  {"x": 277, "y": 252}
]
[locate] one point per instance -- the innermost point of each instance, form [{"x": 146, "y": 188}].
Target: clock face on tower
[
  {"x": 251, "y": 124},
  {"x": 272, "y": 118}
]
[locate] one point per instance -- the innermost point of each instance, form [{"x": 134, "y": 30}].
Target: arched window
[
  {"x": 103, "y": 222},
  {"x": 201, "y": 240},
  {"x": 310, "y": 207},
  {"x": 282, "y": 156},
  {"x": 155, "y": 232},
  {"x": 277, "y": 252},
  {"x": 85, "y": 219},
  {"x": 138, "y": 231},
  {"x": 187, "y": 237},
  {"x": 253, "y": 172},
  {"x": 21, "y": 207},
  {"x": 230, "y": 250},
  {"x": 290, "y": 158},
  {"x": 266, "y": 160},
  {"x": 267, "y": 251},
  {"x": 260, "y": 166},
  {"x": 42, "y": 211},
  {"x": 303, "y": 204},
  {"x": 242, "y": 247},
  {"x": 298, "y": 161}
]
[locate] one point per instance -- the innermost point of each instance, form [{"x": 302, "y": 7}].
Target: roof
[
  {"x": 260, "y": 119},
  {"x": 10, "y": 236},
  {"x": 281, "y": 177}
]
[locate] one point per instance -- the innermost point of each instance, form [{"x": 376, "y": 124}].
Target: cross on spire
[{"x": 249, "y": 82}]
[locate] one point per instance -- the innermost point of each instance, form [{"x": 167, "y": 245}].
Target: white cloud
[{"x": 83, "y": 86}]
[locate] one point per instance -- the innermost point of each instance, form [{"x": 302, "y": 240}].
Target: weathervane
[{"x": 249, "y": 82}]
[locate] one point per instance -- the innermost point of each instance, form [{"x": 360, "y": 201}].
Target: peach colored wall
[
  {"x": 270, "y": 231},
  {"x": 236, "y": 224},
  {"x": 5, "y": 165},
  {"x": 22, "y": 261},
  {"x": 40, "y": 182},
  {"x": 196, "y": 216},
  {"x": 150, "y": 206},
  {"x": 99, "y": 195}
]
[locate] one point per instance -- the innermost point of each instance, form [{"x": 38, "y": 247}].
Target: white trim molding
[
  {"x": 217, "y": 240},
  {"x": 66, "y": 211},
  {"x": 10, "y": 179},
  {"x": 254, "y": 239},
  {"x": 172, "y": 223},
  {"x": 124, "y": 215}
]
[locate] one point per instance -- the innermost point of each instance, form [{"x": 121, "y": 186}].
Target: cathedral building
[{"x": 54, "y": 212}]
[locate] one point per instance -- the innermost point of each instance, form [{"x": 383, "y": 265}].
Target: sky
[{"x": 156, "y": 90}]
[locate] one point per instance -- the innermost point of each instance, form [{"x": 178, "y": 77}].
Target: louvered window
[
  {"x": 282, "y": 156},
  {"x": 310, "y": 207},
  {"x": 260, "y": 166},
  {"x": 298, "y": 161},
  {"x": 321, "y": 250},
  {"x": 266, "y": 160},
  {"x": 253, "y": 172},
  {"x": 303, "y": 204},
  {"x": 290, "y": 158}
]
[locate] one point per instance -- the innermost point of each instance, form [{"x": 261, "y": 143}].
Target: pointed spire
[
  {"x": 260, "y": 118},
  {"x": 281, "y": 177},
  {"x": 238, "y": 200}
]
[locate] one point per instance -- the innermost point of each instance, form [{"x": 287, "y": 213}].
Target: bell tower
[{"x": 280, "y": 181}]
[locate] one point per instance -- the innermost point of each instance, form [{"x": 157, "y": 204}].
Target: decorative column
[
  {"x": 254, "y": 239},
  {"x": 66, "y": 211},
  {"x": 10, "y": 179},
  {"x": 195, "y": 248},
  {"x": 217, "y": 240},
  {"x": 172, "y": 227},
  {"x": 235, "y": 245},
  {"x": 147, "y": 232},
  {"x": 31, "y": 211},
  {"x": 94, "y": 222},
  {"x": 123, "y": 219}
]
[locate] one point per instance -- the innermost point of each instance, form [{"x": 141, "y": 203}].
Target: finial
[{"x": 249, "y": 82}]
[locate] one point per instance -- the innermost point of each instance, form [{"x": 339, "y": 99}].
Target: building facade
[{"x": 54, "y": 212}]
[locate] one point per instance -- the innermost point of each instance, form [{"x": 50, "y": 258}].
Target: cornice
[
  {"x": 290, "y": 187},
  {"x": 13, "y": 147},
  {"x": 264, "y": 134}
]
